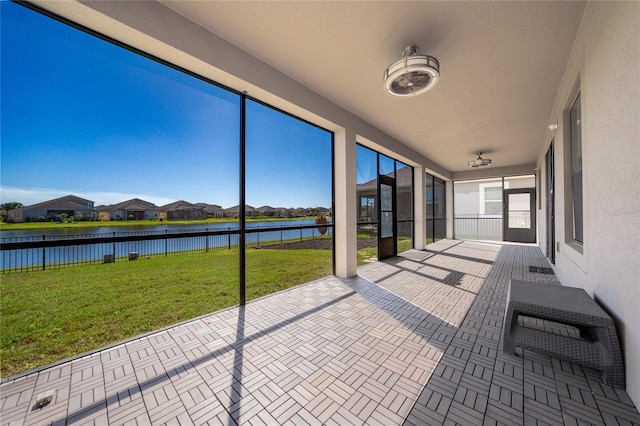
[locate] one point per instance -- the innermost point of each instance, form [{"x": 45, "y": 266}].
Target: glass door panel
[
  {"x": 386, "y": 210},
  {"x": 519, "y": 211},
  {"x": 387, "y": 240},
  {"x": 519, "y": 214}
]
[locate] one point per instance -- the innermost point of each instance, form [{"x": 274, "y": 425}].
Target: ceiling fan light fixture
[
  {"x": 480, "y": 162},
  {"x": 412, "y": 75}
]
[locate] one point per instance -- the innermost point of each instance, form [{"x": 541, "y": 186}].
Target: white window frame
[{"x": 482, "y": 187}]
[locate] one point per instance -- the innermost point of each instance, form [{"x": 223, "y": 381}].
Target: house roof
[
  {"x": 135, "y": 204},
  {"x": 403, "y": 179},
  {"x": 211, "y": 208},
  {"x": 68, "y": 202},
  {"x": 178, "y": 205},
  {"x": 236, "y": 209}
]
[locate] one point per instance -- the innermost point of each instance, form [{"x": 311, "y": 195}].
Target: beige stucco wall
[{"x": 605, "y": 67}]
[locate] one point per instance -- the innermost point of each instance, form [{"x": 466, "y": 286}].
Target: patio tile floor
[{"x": 413, "y": 340}]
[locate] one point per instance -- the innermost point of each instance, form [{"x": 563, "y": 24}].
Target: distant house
[
  {"x": 235, "y": 211},
  {"x": 69, "y": 205},
  {"x": 281, "y": 212},
  {"x": 103, "y": 213},
  {"x": 134, "y": 209},
  {"x": 183, "y": 210},
  {"x": 368, "y": 191},
  {"x": 267, "y": 211},
  {"x": 212, "y": 210},
  {"x": 324, "y": 211}
]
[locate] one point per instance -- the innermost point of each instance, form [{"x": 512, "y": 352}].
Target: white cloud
[{"x": 29, "y": 196}]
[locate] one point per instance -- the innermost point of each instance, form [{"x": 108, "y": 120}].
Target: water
[
  {"x": 102, "y": 231},
  {"x": 95, "y": 253}
]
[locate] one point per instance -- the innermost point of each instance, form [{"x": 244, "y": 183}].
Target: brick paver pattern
[{"x": 412, "y": 340}]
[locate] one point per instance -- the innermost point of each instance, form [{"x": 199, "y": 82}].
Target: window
[
  {"x": 492, "y": 200},
  {"x": 490, "y": 197},
  {"x": 575, "y": 117},
  {"x": 367, "y": 209}
]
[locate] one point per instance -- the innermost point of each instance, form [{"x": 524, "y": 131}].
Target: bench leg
[
  {"x": 508, "y": 328},
  {"x": 613, "y": 368}
]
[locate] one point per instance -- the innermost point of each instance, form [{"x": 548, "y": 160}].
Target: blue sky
[{"x": 82, "y": 116}]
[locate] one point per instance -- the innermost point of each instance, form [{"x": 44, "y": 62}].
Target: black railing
[
  {"x": 368, "y": 234},
  {"x": 478, "y": 227},
  {"x": 47, "y": 252}
]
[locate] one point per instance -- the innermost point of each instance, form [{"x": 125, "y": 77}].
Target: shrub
[{"x": 320, "y": 219}]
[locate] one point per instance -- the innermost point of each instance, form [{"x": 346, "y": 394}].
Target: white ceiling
[{"x": 500, "y": 62}]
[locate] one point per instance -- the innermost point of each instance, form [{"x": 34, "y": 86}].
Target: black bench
[{"x": 595, "y": 346}]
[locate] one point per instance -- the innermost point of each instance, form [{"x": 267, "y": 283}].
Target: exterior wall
[
  {"x": 16, "y": 215},
  {"x": 516, "y": 182},
  {"x": 605, "y": 67},
  {"x": 33, "y": 214},
  {"x": 475, "y": 218},
  {"x": 466, "y": 198},
  {"x": 151, "y": 214},
  {"x": 118, "y": 215},
  {"x": 25, "y": 214},
  {"x": 186, "y": 214},
  {"x": 478, "y": 216}
]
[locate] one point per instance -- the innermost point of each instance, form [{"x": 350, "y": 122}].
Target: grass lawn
[
  {"x": 50, "y": 315},
  {"x": 366, "y": 255}
]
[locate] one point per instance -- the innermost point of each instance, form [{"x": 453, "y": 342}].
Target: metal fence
[
  {"x": 368, "y": 235},
  {"x": 48, "y": 252},
  {"x": 478, "y": 227}
]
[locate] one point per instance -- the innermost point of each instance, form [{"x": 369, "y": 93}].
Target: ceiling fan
[
  {"x": 480, "y": 162},
  {"x": 413, "y": 75}
]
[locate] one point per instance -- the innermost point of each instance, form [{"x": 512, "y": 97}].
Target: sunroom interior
[{"x": 549, "y": 91}]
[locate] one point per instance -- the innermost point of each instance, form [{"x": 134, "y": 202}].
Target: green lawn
[
  {"x": 50, "y": 315},
  {"x": 369, "y": 254}
]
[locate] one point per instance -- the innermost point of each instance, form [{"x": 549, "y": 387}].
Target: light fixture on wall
[
  {"x": 413, "y": 75},
  {"x": 553, "y": 126},
  {"x": 480, "y": 162}
]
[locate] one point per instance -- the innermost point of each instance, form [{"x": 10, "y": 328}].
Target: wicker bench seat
[{"x": 596, "y": 345}]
